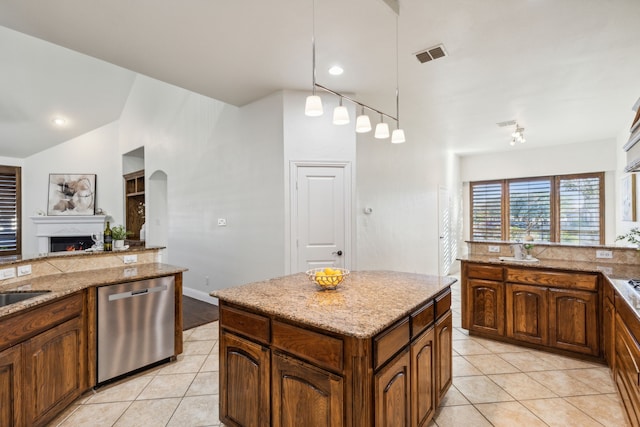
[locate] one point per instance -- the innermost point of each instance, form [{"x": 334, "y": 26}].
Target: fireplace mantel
[{"x": 65, "y": 226}]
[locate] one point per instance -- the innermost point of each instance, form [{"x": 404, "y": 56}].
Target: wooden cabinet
[
  {"x": 134, "y": 193},
  {"x": 280, "y": 373},
  {"x": 627, "y": 361},
  {"x": 527, "y": 313},
  {"x": 43, "y": 361},
  {"x": 304, "y": 394},
  {"x": 54, "y": 370},
  {"x": 392, "y": 391},
  {"x": 246, "y": 380},
  {"x": 444, "y": 351},
  {"x": 10, "y": 384},
  {"x": 573, "y": 321},
  {"x": 552, "y": 309}
]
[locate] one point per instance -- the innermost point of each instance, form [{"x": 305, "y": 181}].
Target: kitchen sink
[
  {"x": 7, "y": 298},
  {"x": 511, "y": 258}
]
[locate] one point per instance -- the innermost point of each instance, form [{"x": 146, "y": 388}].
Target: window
[
  {"x": 566, "y": 209},
  {"x": 10, "y": 213}
]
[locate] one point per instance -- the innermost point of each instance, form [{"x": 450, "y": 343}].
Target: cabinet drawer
[
  {"x": 27, "y": 324},
  {"x": 481, "y": 271},
  {"x": 243, "y": 322},
  {"x": 443, "y": 303},
  {"x": 389, "y": 342},
  {"x": 322, "y": 350},
  {"x": 587, "y": 282},
  {"x": 422, "y": 318}
]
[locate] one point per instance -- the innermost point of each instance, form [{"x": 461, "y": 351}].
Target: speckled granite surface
[
  {"x": 61, "y": 284},
  {"x": 363, "y": 305}
]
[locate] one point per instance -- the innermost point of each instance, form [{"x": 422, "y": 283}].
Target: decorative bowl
[{"x": 327, "y": 278}]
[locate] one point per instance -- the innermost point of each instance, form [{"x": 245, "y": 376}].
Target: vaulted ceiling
[{"x": 567, "y": 71}]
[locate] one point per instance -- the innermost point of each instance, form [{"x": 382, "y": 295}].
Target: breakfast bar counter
[{"x": 375, "y": 351}]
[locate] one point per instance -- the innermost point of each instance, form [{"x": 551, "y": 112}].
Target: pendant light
[
  {"x": 397, "y": 137},
  {"x": 363, "y": 124},
  {"x": 341, "y": 115},
  {"x": 382, "y": 130},
  {"x": 313, "y": 105}
]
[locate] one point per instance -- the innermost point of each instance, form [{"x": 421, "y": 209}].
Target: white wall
[
  {"x": 623, "y": 227},
  {"x": 597, "y": 156},
  {"x": 95, "y": 152},
  {"x": 221, "y": 162}
]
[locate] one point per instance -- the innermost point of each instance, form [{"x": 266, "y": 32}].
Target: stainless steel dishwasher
[{"x": 136, "y": 323}]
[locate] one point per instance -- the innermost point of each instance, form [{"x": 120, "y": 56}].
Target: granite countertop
[
  {"x": 363, "y": 305},
  {"x": 610, "y": 270},
  {"x": 15, "y": 259},
  {"x": 67, "y": 283}
]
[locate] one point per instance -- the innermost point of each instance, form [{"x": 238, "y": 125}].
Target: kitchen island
[{"x": 376, "y": 351}]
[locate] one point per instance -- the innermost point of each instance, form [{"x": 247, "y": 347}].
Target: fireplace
[
  {"x": 67, "y": 226},
  {"x": 75, "y": 243}
]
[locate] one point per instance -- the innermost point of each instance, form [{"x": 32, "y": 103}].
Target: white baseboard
[{"x": 199, "y": 295}]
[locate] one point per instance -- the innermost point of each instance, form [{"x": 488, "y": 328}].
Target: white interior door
[
  {"x": 445, "y": 250},
  {"x": 320, "y": 217}
]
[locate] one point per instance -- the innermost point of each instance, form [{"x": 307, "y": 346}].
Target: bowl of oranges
[{"x": 327, "y": 278}]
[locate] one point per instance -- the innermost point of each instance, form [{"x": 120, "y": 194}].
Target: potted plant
[
  {"x": 118, "y": 234},
  {"x": 633, "y": 237}
]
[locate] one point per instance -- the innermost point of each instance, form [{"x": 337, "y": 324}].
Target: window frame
[
  {"x": 554, "y": 214},
  {"x": 17, "y": 171}
]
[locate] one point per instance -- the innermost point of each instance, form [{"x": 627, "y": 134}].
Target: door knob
[{"x": 339, "y": 253}]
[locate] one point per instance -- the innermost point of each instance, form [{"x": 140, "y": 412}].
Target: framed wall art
[
  {"x": 72, "y": 194},
  {"x": 628, "y": 194}
]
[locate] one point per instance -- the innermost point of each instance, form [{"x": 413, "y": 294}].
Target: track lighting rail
[{"x": 326, "y": 89}]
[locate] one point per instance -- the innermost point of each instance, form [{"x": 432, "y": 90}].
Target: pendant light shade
[
  {"x": 382, "y": 130},
  {"x": 313, "y": 106},
  {"x": 363, "y": 124},
  {"x": 397, "y": 137},
  {"x": 340, "y": 115}
]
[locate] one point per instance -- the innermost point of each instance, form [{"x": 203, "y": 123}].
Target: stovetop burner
[{"x": 635, "y": 283}]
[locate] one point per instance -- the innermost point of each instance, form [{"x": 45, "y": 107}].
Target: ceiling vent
[{"x": 432, "y": 53}]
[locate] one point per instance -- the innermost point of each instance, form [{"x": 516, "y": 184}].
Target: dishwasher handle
[{"x": 136, "y": 293}]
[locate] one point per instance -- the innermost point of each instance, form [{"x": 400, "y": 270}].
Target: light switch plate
[
  {"x": 7, "y": 273},
  {"x": 24, "y": 270},
  {"x": 222, "y": 222}
]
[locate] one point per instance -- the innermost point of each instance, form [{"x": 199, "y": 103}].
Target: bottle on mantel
[{"x": 107, "y": 238}]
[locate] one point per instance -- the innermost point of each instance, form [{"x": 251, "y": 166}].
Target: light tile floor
[{"x": 494, "y": 384}]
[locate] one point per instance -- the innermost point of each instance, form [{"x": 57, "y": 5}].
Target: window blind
[
  {"x": 486, "y": 200},
  {"x": 530, "y": 209},
  {"x": 9, "y": 210},
  {"x": 579, "y": 210}
]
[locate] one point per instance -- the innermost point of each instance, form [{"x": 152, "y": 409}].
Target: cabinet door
[
  {"x": 486, "y": 306},
  {"x": 11, "y": 387},
  {"x": 423, "y": 375},
  {"x": 626, "y": 372},
  {"x": 392, "y": 405},
  {"x": 444, "y": 351},
  {"x": 244, "y": 382},
  {"x": 527, "y": 313},
  {"x": 304, "y": 395},
  {"x": 608, "y": 329},
  {"x": 54, "y": 370},
  {"x": 573, "y": 321}
]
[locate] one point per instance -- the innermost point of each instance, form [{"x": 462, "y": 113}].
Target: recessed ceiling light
[
  {"x": 59, "y": 121},
  {"x": 336, "y": 70}
]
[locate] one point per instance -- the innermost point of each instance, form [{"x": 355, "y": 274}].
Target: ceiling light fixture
[
  {"x": 340, "y": 115},
  {"x": 397, "y": 137},
  {"x": 313, "y": 104},
  {"x": 517, "y": 136},
  {"x": 58, "y": 121},
  {"x": 336, "y": 70}
]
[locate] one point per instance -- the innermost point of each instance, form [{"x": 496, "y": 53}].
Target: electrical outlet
[
  {"x": 7, "y": 273},
  {"x": 494, "y": 249},
  {"x": 130, "y": 272},
  {"x": 222, "y": 222},
  {"x": 24, "y": 270},
  {"x": 130, "y": 259},
  {"x": 605, "y": 270},
  {"x": 604, "y": 254}
]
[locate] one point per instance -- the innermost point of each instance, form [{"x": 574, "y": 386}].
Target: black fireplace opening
[{"x": 71, "y": 243}]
